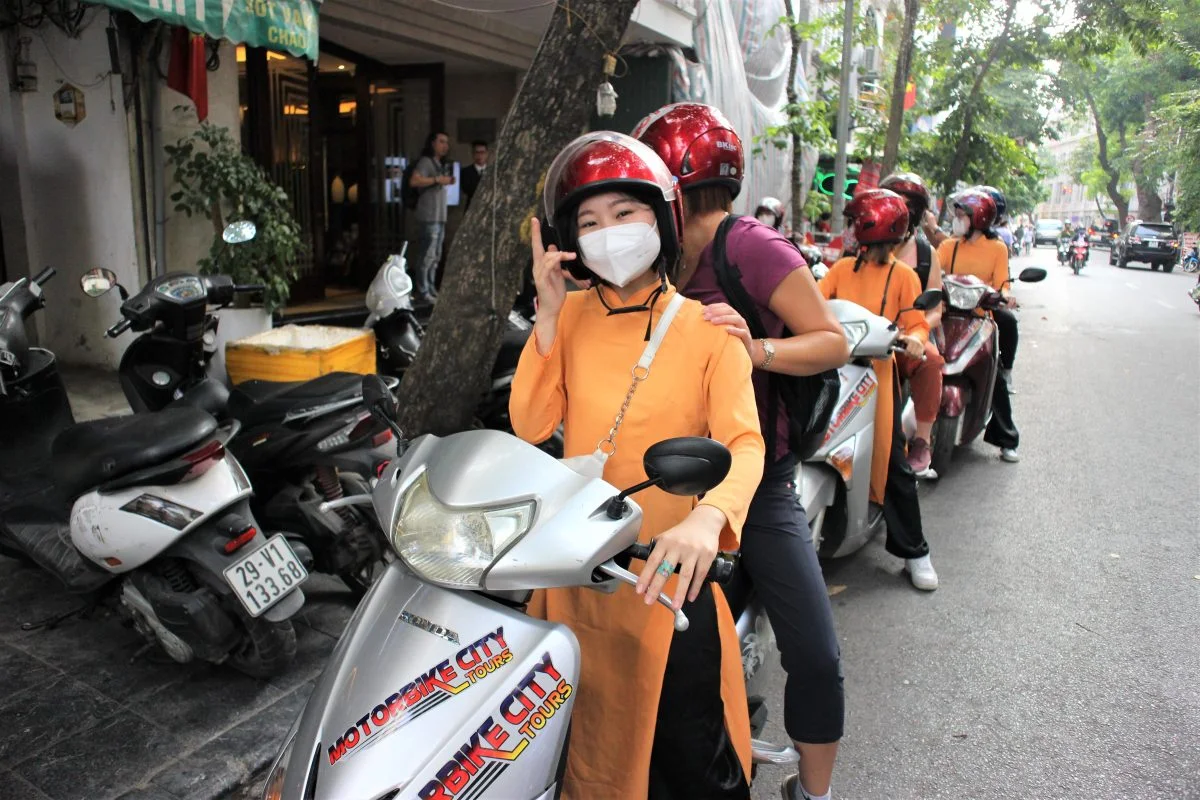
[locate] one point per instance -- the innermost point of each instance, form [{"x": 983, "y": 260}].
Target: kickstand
[{"x": 51, "y": 622}]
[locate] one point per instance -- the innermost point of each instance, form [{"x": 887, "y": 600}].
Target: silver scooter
[
  {"x": 834, "y": 484},
  {"x": 441, "y": 686}
]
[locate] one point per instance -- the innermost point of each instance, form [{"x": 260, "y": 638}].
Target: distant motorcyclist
[
  {"x": 975, "y": 250},
  {"x": 924, "y": 376},
  {"x": 770, "y": 213}
]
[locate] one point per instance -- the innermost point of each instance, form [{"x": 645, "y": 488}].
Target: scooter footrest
[{"x": 49, "y": 544}]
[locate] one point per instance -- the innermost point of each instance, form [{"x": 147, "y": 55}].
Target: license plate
[{"x": 264, "y": 577}]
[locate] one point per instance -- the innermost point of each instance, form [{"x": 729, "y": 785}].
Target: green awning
[{"x": 288, "y": 26}]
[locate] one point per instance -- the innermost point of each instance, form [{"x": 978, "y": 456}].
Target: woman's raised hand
[{"x": 549, "y": 276}]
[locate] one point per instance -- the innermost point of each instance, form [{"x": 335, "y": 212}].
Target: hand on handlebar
[
  {"x": 911, "y": 346},
  {"x": 690, "y": 546}
]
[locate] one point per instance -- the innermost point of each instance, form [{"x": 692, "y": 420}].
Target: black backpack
[
  {"x": 409, "y": 193},
  {"x": 809, "y": 400}
]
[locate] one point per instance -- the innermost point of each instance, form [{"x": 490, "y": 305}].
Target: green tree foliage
[
  {"x": 1131, "y": 67},
  {"x": 216, "y": 180}
]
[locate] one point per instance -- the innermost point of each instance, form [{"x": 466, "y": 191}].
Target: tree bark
[
  {"x": 1114, "y": 176},
  {"x": 490, "y": 251},
  {"x": 962, "y": 149},
  {"x": 797, "y": 203},
  {"x": 891, "y": 148}
]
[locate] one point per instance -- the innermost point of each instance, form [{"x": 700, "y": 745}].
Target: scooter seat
[
  {"x": 255, "y": 402},
  {"x": 91, "y": 453}
]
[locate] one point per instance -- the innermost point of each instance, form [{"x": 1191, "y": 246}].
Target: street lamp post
[{"x": 843, "y": 120}]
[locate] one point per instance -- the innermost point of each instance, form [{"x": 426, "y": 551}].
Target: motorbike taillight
[{"x": 203, "y": 459}]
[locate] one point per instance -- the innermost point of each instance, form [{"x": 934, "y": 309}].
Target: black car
[{"x": 1153, "y": 243}]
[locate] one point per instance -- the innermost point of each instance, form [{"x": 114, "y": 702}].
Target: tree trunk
[
  {"x": 962, "y": 149},
  {"x": 490, "y": 252},
  {"x": 891, "y": 148},
  {"x": 1150, "y": 205},
  {"x": 1114, "y": 176},
  {"x": 797, "y": 203}
]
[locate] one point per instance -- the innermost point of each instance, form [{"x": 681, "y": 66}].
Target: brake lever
[{"x": 625, "y": 576}]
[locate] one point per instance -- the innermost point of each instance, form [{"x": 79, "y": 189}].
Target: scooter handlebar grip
[
  {"x": 118, "y": 329},
  {"x": 721, "y": 570},
  {"x": 44, "y": 275}
]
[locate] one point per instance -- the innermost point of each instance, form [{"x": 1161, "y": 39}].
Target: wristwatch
[{"x": 769, "y": 351}]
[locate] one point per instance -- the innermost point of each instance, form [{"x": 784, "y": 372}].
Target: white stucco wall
[
  {"x": 75, "y": 208},
  {"x": 71, "y": 202},
  {"x": 188, "y": 239}
]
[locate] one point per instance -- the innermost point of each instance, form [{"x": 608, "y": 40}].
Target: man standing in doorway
[
  {"x": 472, "y": 174},
  {"x": 430, "y": 177}
]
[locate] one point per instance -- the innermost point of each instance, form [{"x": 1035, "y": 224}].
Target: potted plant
[{"x": 216, "y": 180}]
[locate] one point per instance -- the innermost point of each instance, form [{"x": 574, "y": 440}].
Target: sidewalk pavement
[{"x": 81, "y": 717}]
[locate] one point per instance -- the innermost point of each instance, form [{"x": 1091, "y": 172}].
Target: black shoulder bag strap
[
  {"x": 954, "y": 255},
  {"x": 924, "y": 260},
  {"x": 729, "y": 278}
]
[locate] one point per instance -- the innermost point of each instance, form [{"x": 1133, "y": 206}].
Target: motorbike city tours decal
[
  {"x": 425, "y": 692},
  {"x": 857, "y": 399},
  {"x": 504, "y": 735}
]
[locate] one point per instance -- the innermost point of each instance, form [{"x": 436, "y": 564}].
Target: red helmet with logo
[
  {"x": 606, "y": 161},
  {"x": 980, "y": 208},
  {"x": 911, "y": 187},
  {"x": 698, "y": 144},
  {"x": 879, "y": 216}
]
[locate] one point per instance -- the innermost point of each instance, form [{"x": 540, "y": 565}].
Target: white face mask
[
  {"x": 767, "y": 219},
  {"x": 960, "y": 226},
  {"x": 620, "y": 253}
]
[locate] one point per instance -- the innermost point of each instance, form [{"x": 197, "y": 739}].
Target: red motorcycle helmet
[
  {"x": 878, "y": 216},
  {"x": 997, "y": 197},
  {"x": 912, "y": 188},
  {"x": 697, "y": 143},
  {"x": 606, "y": 161},
  {"x": 980, "y": 208}
]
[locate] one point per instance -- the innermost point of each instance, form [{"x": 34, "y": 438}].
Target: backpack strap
[
  {"x": 729, "y": 279},
  {"x": 924, "y": 260}
]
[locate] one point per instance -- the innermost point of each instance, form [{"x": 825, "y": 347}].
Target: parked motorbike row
[{"x": 155, "y": 514}]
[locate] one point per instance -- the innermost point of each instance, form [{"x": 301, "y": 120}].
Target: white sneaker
[
  {"x": 921, "y": 573},
  {"x": 1009, "y": 454}
]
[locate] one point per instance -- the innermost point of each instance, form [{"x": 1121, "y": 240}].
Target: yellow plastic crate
[{"x": 300, "y": 353}]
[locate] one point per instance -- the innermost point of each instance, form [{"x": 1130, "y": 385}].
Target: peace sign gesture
[{"x": 549, "y": 275}]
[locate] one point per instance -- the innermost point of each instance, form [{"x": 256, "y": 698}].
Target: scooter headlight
[
  {"x": 454, "y": 547},
  {"x": 964, "y": 298},
  {"x": 855, "y": 332}
]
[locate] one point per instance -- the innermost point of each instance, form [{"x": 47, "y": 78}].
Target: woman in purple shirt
[{"x": 705, "y": 154}]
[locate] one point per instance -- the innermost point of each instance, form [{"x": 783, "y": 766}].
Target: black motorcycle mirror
[
  {"x": 1032, "y": 275},
  {"x": 100, "y": 281},
  {"x": 930, "y": 298},
  {"x": 379, "y": 401},
  {"x": 687, "y": 466}
]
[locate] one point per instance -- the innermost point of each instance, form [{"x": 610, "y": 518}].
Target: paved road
[{"x": 1061, "y": 656}]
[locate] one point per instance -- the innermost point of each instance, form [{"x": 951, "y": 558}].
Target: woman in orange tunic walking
[
  {"x": 875, "y": 280},
  {"x": 659, "y": 714}
]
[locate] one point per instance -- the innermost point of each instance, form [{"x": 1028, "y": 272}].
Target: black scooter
[
  {"x": 399, "y": 329},
  {"x": 303, "y": 444}
]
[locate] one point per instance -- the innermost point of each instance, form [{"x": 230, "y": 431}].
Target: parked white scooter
[{"x": 441, "y": 686}]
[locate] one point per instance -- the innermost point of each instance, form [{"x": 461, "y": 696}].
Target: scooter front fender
[
  {"x": 953, "y": 400},
  {"x": 431, "y": 692}
]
